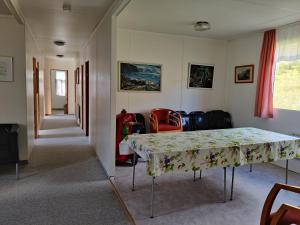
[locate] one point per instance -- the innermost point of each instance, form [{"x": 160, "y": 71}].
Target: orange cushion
[
  {"x": 167, "y": 127},
  {"x": 288, "y": 219}
]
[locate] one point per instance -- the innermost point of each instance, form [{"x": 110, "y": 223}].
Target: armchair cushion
[{"x": 166, "y": 127}]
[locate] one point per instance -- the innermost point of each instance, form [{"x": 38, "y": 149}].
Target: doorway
[{"x": 59, "y": 92}]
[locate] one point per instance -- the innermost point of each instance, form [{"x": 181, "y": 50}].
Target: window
[
  {"x": 287, "y": 74},
  {"x": 60, "y": 83},
  {"x": 287, "y": 85}
]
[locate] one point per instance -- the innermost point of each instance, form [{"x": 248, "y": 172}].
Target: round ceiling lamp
[
  {"x": 60, "y": 56},
  {"x": 202, "y": 26},
  {"x": 66, "y": 7},
  {"x": 59, "y": 43}
]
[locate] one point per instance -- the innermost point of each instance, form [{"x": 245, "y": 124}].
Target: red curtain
[{"x": 264, "y": 92}]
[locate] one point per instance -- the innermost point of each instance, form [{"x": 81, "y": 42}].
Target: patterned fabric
[{"x": 195, "y": 150}]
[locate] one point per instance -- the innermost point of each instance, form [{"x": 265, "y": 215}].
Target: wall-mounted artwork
[
  {"x": 139, "y": 77},
  {"x": 244, "y": 74},
  {"x": 200, "y": 76},
  {"x": 6, "y": 69}
]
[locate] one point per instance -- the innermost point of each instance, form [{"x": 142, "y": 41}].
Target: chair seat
[
  {"x": 288, "y": 219},
  {"x": 167, "y": 127}
]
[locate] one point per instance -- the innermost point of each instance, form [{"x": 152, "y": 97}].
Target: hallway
[{"x": 63, "y": 184}]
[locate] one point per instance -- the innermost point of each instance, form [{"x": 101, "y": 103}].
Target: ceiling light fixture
[
  {"x": 59, "y": 43},
  {"x": 66, "y": 7},
  {"x": 60, "y": 56},
  {"x": 202, "y": 26}
]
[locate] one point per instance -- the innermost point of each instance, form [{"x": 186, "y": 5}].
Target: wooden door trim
[
  {"x": 35, "y": 125},
  {"x": 87, "y": 96},
  {"x": 82, "y": 98}
]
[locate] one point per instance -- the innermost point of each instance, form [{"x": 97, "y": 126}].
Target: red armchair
[
  {"x": 165, "y": 120},
  {"x": 286, "y": 214}
]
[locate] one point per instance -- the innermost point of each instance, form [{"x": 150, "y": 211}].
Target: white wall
[
  {"x": 241, "y": 97},
  {"x": 59, "y": 64},
  {"x": 174, "y": 53},
  {"x": 101, "y": 53},
  {"x": 13, "y": 94}
]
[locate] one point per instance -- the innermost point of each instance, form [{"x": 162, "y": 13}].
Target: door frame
[
  {"x": 67, "y": 87},
  {"x": 87, "y": 96},
  {"x": 35, "y": 79},
  {"x": 82, "y": 97}
]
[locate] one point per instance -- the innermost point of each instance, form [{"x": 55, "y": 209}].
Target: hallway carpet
[
  {"x": 180, "y": 201},
  {"x": 64, "y": 184}
]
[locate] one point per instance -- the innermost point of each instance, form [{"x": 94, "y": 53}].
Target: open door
[{"x": 87, "y": 96}]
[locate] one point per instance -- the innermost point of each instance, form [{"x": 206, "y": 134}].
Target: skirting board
[{"x": 294, "y": 165}]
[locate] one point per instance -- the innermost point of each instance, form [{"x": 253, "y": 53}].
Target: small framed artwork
[
  {"x": 244, "y": 74},
  {"x": 139, "y": 77},
  {"x": 200, "y": 76},
  {"x": 6, "y": 69}
]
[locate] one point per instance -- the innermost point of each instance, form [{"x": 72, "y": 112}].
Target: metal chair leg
[
  {"x": 194, "y": 175},
  {"x": 17, "y": 171},
  {"x": 200, "y": 176}
]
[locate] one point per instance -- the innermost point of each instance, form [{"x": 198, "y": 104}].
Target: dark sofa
[{"x": 198, "y": 120}]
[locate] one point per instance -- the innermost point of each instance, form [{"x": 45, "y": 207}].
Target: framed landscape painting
[
  {"x": 139, "y": 77},
  {"x": 6, "y": 69},
  {"x": 200, "y": 76},
  {"x": 244, "y": 74}
]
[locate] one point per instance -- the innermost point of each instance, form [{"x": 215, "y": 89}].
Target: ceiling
[
  {"x": 3, "y": 9},
  {"x": 48, "y": 22},
  {"x": 229, "y": 18}
]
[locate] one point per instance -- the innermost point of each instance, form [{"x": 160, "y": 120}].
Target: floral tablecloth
[{"x": 195, "y": 150}]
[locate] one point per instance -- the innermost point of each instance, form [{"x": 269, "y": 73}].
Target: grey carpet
[
  {"x": 179, "y": 200},
  {"x": 64, "y": 184}
]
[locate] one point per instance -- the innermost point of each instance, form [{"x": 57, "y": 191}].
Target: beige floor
[
  {"x": 63, "y": 185},
  {"x": 180, "y": 201}
]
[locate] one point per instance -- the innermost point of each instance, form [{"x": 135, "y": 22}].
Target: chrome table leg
[
  {"x": 286, "y": 171},
  {"x": 225, "y": 189},
  {"x": 232, "y": 183},
  {"x": 133, "y": 175},
  {"x": 152, "y": 197}
]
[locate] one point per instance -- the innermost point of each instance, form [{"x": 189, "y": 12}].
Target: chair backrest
[
  {"x": 217, "y": 119},
  {"x": 161, "y": 114},
  {"x": 185, "y": 120},
  {"x": 197, "y": 120}
]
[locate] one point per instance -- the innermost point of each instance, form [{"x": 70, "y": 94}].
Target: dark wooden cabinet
[{"x": 9, "y": 151}]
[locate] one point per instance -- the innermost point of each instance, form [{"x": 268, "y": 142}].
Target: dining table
[{"x": 206, "y": 149}]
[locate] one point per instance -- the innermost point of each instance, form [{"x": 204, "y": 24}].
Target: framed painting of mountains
[
  {"x": 244, "y": 74},
  {"x": 200, "y": 76},
  {"x": 139, "y": 77}
]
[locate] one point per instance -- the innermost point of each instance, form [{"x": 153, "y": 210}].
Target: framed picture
[
  {"x": 6, "y": 69},
  {"x": 139, "y": 77},
  {"x": 200, "y": 76},
  {"x": 244, "y": 74}
]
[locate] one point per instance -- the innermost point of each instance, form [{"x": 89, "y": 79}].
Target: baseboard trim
[{"x": 120, "y": 199}]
